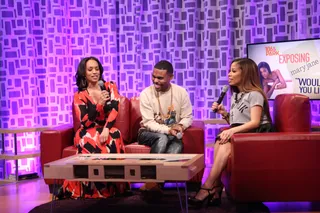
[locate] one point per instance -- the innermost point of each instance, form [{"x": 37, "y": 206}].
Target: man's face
[{"x": 161, "y": 79}]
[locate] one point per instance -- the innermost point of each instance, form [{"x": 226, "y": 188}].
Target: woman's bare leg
[
  {"x": 216, "y": 150},
  {"x": 222, "y": 153}
]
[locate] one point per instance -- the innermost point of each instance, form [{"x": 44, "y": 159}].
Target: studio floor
[{"x": 23, "y": 196}]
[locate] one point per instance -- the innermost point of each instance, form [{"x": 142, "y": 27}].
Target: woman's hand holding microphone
[
  {"x": 219, "y": 108},
  {"x": 104, "y": 97}
]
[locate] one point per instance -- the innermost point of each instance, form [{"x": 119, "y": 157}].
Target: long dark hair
[
  {"x": 263, "y": 64},
  {"x": 250, "y": 81},
  {"x": 81, "y": 73}
]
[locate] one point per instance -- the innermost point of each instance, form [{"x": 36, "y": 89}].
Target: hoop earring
[{"x": 83, "y": 82}]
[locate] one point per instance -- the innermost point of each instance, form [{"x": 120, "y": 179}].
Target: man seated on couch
[{"x": 166, "y": 112}]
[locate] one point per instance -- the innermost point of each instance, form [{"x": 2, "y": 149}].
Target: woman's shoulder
[
  {"x": 255, "y": 93},
  {"x": 81, "y": 95},
  {"x": 109, "y": 83},
  {"x": 275, "y": 73},
  {"x": 179, "y": 88}
]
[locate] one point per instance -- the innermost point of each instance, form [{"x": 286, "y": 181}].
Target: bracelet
[{"x": 226, "y": 116}]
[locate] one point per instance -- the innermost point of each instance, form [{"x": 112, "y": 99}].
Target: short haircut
[{"x": 164, "y": 65}]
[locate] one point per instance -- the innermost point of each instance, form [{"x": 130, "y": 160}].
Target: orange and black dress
[{"x": 95, "y": 117}]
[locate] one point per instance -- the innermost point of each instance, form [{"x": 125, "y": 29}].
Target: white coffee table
[{"x": 127, "y": 168}]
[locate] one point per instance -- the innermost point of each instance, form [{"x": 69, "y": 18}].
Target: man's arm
[
  {"x": 186, "y": 111},
  {"x": 148, "y": 116}
]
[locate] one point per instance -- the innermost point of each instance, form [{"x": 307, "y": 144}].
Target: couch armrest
[
  {"x": 53, "y": 141},
  {"x": 274, "y": 166},
  {"x": 193, "y": 138}
]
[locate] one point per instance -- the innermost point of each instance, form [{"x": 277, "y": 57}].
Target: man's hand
[
  {"x": 175, "y": 129},
  {"x": 104, "y": 135}
]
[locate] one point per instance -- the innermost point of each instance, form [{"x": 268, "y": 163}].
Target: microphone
[
  {"x": 179, "y": 135},
  {"x": 101, "y": 84},
  {"x": 223, "y": 93},
  {"x": 103, "y": 87}
]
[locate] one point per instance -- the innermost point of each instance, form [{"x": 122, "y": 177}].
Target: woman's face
[
  {"x": 264, "y": 72},
  {"x": 92, "y": 71},
  {"x": 234, "y": 76}
]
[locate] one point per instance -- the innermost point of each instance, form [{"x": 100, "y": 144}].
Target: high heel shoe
[
  {"x": 193, "y": 201},
  {"x": 216, "y": 201}
]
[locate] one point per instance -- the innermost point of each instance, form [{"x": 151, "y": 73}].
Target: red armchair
[
  {"x": 279, "y": 166},
  {"x": 57, "y": 142}
]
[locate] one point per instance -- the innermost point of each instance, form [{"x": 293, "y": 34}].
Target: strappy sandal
[{"x": 193, "y": 201}]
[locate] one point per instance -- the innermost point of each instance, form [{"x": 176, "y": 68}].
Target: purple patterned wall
[{"x": 41, "y": 43}]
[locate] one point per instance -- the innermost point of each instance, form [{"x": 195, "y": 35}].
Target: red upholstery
[
  {"x": 57, "y": 143},
  {"x": 287, "y": 116},
  {"x": 280, "y": 166},
  {"x": 135, "y": 117}
]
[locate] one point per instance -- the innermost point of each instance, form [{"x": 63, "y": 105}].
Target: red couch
[
  {"x": 279, "y": 166},
  {"x": 57, "y": 142}
]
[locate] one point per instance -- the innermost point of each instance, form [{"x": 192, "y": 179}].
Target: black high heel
[
  {"x": 193, "y": 201},
  {"x": 216, "y": 201}
]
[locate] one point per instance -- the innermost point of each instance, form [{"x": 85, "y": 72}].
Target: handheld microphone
[
  {"x": 223, "y": 93},
  {"x": 103, "y": 87},
  {"x": 179, "y": 135},
  {"x": 101, "y": 84}
]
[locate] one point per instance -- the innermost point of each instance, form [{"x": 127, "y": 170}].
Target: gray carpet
[{"x": 169, "y": 202}]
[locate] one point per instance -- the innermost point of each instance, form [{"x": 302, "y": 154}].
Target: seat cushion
[
  {"x": 136, "y": 148},
  {"x": 131, "y": 148},
  {"x": 68, "y": 151}
]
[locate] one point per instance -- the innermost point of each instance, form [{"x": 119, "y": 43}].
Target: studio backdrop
[{"x": 42, "y": 42}]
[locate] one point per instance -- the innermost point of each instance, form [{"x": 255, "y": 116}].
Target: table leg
[
  {"x": 15, "y": 153},
  {"x": 2, "y": 152},
  {"x": 53, "y": 195},
  {"x": 180, "y": 200},
  {"x": 2, "y": 144},
  {"x": 186, "y": 197}
]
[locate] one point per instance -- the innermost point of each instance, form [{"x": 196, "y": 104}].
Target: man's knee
[
  {"x": 175, "y": 147},
  {"x": 160, "y": 145}
]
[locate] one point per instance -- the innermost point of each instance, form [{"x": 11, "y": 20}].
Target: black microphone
[
  {"x": 223, "y": 93},
  {"x": 101, "y": 84},
  {"x": 103, "y": 87}
]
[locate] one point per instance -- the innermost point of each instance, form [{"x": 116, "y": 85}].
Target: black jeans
[{"x": 160, "y": 143}]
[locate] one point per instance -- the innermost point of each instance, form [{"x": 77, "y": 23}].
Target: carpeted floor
[{"x": 168, "y": 203}]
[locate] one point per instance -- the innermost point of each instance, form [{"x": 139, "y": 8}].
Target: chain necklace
[
  {"x": 236, "y": 100},
  {"x": 170, "y": 108}
]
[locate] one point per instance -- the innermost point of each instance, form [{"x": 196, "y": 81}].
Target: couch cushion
[
  {"x": 135, "y": 117},
  {"x": 292, "y": 113},
  {"x": 123, "y": 119},
  {"x": 136, "y": 148},
  {"x": 69, "y": 151}
]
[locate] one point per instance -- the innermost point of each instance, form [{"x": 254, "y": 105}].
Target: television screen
[{"x": 288, "y": 67}]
